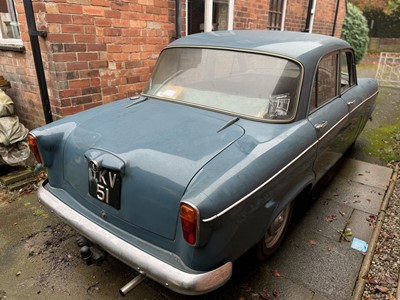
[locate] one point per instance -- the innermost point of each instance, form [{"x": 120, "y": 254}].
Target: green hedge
[{"x": 355, "y": 31}]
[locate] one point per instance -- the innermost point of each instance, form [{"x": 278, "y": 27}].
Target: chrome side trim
[
  {"x": 195, "y": 283},
  {"x": 260, "y": 187},
  {"x": 288, "y": 165}
]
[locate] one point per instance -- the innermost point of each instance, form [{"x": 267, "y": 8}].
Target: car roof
[{"x": 298, "y": 45}]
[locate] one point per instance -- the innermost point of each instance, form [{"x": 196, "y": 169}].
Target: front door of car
[{"x": 328, "y": 115}]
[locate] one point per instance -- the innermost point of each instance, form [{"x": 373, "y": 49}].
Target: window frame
[
  {"x": 349, "y": 53},
  {"x": 12, "y": 44}
]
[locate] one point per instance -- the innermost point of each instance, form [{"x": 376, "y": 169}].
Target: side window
[
  {"x": 8, "y": 21},
  {"x": 325, "y": 86},
  {"x": 347, "y": 73}
]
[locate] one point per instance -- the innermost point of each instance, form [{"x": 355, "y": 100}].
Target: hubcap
[{"x": 277, "y": 227}]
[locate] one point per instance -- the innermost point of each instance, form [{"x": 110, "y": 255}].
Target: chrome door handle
[
  {"x": 321, "y": 125},
  {"x": 350, "y": 103}
]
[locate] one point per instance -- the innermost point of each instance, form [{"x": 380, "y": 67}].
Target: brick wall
[
  {"x": 296, "y": 16},
  {"x": 250, "y": 14}
]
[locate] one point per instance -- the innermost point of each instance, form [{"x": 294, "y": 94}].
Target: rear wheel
[{"x": 274, "y": 235}]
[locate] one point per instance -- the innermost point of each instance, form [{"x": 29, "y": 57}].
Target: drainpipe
[
  {"x": 336, "y": 15},
  {"x": 178, "y": 26},
  {"x": 37, "y": 58},
  {"x": 310, "y": 16}
]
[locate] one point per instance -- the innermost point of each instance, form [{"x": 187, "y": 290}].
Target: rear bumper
[{"x": 195, "y": 283}]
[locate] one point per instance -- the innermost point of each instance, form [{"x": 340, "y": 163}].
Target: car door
[
  {"x": 328, "y": 114},
  {"x": 351, "y": 95}
]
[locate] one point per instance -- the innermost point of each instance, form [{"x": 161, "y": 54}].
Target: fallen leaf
[
  {"x": 373, "y": 281},
  {"x": 264, "y": 295},
  {"x": 342, "y": 213},
  {"x": 382, "y": 289},
  {"x": 18, "y": 273},
  {"x": 275, "y": 293},
  {"x": 246, "y": 287},
  {"x": 330, "y": 218},
  {"x": 275, "y": 273},
  {"x": 385, "y": 235},
  {"x": 391, "y": 297},
  {"x": 312, "y": 242}
]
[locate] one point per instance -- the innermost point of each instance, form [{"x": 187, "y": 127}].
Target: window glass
[
  {"x": 275, "y": 14},
  {"x": 9, "y": 28},
  {"x": 248, "y": 84},
  {"x": 347, "y": 74},
  {"x": 196, "y": 17},
  {"x": 327, "y": 79}
]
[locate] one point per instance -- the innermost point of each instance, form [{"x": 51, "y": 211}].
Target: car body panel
[{"x": 237, "y": 171}]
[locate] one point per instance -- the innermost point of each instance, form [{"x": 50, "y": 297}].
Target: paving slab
[
  {"x": 354, "y": 194},
  {"x": 365, "y": 173}
]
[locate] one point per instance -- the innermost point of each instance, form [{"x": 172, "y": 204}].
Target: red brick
[
  {"x": 64, "y": 57},
  {"x": 112, "y": 14},
  {"x": 82, "y": 38},
  {"x": 101, "y": 22},
  {"x": 112, "y": 31},
  {"x": 93, "y": 11},
  {"x": 67, "y": 28},
  {"x": 87, "y": 56},
  {"x": 75, "y": 47},
  {"x": 77, "y": 66},
  {"x": 98, "y": 64},
  {"x": 70, "y": 93},
  {"x": 60, "y": 38},
  {"x": 80, "y": 83},
  {"x": 58, "y": 18},
  {"x": 70, "y": 9},
  {"x": 97, "y": 47},
  {"x": 83, "y": 20}
]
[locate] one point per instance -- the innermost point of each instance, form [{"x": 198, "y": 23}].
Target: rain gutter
[{"x": 37, "y": 58}]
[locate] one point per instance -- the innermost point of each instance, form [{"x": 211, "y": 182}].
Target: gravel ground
[{"x": 383, "y": 277}]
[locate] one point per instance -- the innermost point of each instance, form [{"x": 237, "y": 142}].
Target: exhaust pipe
[{"x": 132, "y": 284}]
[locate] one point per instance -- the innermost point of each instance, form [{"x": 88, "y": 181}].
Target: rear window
[{"x": 241, "y": 83}]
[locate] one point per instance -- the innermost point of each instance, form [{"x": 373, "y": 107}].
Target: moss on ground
[{"x": 384, "y": 142}]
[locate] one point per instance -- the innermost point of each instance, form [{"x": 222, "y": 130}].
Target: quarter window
[
  {"x": 347, "y": 74},
  {"x": 9, "y": 29}
]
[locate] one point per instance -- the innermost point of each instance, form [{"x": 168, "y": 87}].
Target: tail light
[
  {"x": 34, "y": 147},
  {"x": 189, "y": 220}
]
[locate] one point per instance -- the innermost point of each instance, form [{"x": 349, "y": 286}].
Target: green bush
[{"x": 355, "y": 31}]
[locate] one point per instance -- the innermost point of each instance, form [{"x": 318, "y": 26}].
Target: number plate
[{"x": 105, "y": 185}]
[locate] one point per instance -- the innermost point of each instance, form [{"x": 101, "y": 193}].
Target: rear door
[
  {"x": 328, "y": 114},
  {"x": 351, "y": 95}
]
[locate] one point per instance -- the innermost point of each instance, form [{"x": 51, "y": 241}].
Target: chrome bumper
[{"x": 167, "y": 275}]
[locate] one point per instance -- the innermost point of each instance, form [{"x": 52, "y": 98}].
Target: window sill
[{"x": 12, "y": 47}]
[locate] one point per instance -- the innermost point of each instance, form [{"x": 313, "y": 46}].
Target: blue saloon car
[{"x": 206, "y": 163}]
